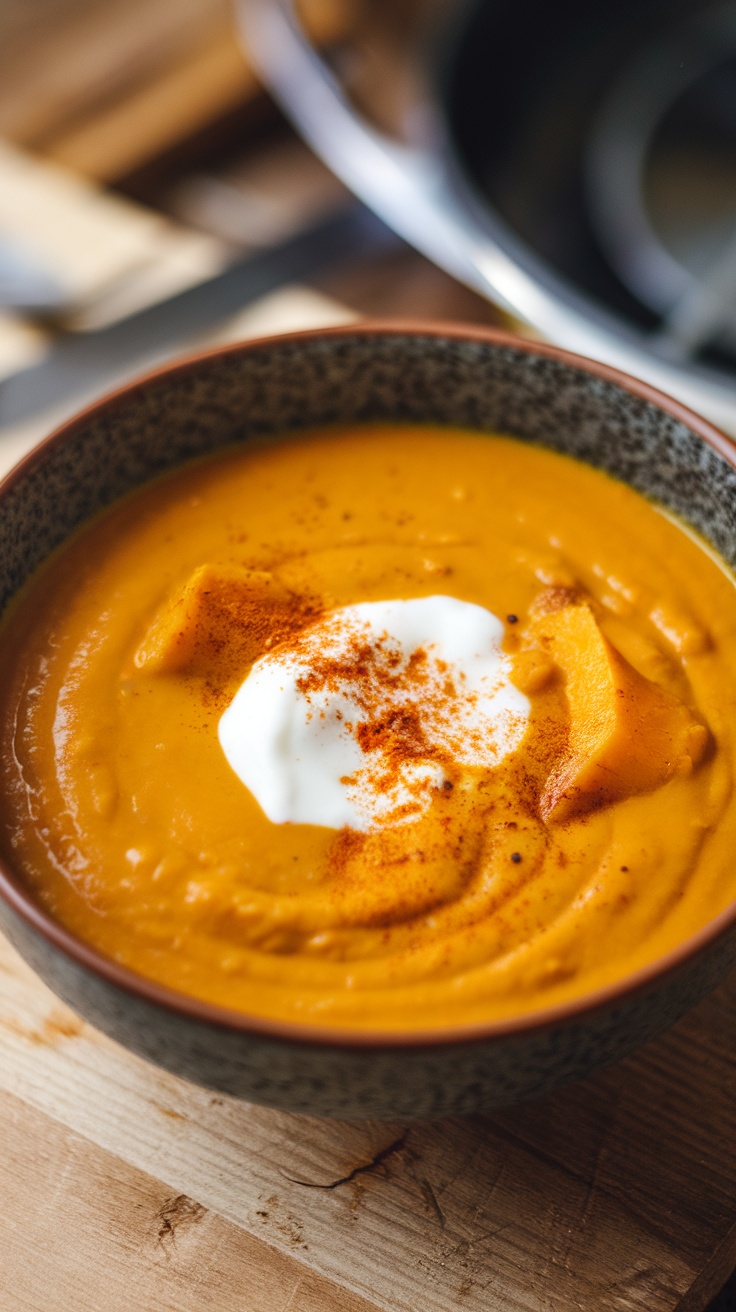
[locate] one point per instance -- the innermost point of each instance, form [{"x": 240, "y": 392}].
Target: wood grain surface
[
  {"x": 106, "y": 89},
  {"x": 135, "y": 1244},
  {"x": 619, "y": 1193}
]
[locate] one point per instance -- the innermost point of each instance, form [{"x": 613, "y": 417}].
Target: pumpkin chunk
[
  {"x": 627, "y": 734},
  {"x": 221, "y": 615}
]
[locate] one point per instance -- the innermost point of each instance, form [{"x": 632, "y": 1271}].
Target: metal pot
[{"x": 426, "y": 183}]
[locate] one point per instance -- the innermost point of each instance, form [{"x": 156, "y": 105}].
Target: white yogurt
[{"x": 313, "y": 731}]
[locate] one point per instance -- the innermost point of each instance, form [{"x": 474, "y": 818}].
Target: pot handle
[{"x": 407, "y": 185}]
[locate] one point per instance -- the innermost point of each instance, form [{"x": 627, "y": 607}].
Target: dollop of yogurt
[{"x": 358, "y": 722}]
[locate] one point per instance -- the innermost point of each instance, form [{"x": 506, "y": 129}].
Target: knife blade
[{"x": 86, "y": 362}]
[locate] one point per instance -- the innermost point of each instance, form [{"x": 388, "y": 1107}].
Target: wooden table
[{"x": 127, "y": 1190}]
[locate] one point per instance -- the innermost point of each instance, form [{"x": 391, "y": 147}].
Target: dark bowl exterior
[
  {"x": 381, "y": 1080},
  {"x": 463, "y": 377}
]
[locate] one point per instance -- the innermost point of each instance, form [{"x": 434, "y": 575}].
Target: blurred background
[
  {"x": 566, "y": 169},
  {"x": 140, "y": 157},
  {"x": 572, "y": 168}
]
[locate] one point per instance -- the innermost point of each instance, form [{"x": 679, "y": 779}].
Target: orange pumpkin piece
[
  {"x": 627, "y": 734},
  {"x": 221, "y": 613}
]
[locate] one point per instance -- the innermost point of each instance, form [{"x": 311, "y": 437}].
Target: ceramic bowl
[{"x": 460, "y": 376}]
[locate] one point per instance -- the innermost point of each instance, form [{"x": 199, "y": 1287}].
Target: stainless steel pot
[{"x": 417, "y": 186}]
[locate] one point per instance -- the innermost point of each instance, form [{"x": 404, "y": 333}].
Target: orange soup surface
[{"x": 380, "y": 728}]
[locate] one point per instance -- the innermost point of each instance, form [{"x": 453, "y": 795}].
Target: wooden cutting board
[
  {"x": 125, "y": 1189},
  {"x": 107, "y": 89}
]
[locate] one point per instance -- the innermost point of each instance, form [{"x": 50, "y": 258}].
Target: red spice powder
[
  {"x": 388, "y": 690},
  {"x": 238, "y": 625}
]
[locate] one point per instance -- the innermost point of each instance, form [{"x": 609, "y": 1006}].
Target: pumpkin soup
[{"x": 384, "y": 727}]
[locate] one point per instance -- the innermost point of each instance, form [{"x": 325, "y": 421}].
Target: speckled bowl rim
[{"x": 307, "y": 1034}]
